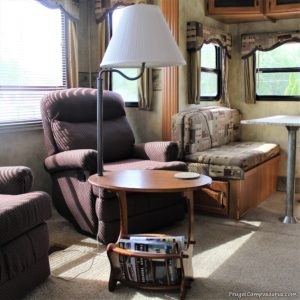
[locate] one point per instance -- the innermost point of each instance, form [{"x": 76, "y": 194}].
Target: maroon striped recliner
[
  {"x": 69, "y": 122},
  {"x": 24, "y": 239}
]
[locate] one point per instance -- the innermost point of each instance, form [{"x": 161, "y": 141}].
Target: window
[
  {"x": 126, "y": 88},
  {"x": 32, "y": 58},
  {"x": 278, "y": 73},
  {"x": 210, "y": 72}
]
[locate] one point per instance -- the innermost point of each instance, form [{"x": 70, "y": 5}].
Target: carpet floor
[{"x": 232, "y": 259}]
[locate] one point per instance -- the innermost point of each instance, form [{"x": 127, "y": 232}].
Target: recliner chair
[
  {"x": 24, "y": 239},
  {"x": 69, "y": 122}
]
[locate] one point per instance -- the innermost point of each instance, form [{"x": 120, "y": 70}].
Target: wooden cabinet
[
  {"x": 279, "y": 9},
  {"x": 235, "y": 11},
  {"x": 234, "y": 7}
]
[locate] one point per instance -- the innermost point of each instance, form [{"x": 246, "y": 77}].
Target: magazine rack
[{"x": 150, "y": 181}]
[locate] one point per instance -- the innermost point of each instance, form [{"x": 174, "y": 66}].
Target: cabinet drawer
[{"x": 209, "y": 202}]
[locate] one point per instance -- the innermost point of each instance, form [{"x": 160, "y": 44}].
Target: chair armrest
[
  {"x": 85, "y": 159},
  {"x": 15, "y": 180},
  {"x": 158, "y": 151}
]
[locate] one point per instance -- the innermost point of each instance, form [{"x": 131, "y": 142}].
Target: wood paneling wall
[{"x": 170, "y": 9}]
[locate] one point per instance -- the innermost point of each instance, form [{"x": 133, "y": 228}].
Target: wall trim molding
[
  {"x": 170, "y": 95},
  {"x": 281, "y": 184}
]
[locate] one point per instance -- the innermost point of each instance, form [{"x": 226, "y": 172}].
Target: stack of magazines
[{"x": 158, "y": 271}]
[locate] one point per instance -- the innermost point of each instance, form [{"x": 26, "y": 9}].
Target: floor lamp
[{"x": 142, "y": 39}]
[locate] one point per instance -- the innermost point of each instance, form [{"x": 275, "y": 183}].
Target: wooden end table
[{"x": 150, "y": 181}]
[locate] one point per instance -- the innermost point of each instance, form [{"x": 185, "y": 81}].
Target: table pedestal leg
[
  {"x": 290, "y": 179},
  {"x": 188, "y": 266},
  {"x": 114, "y": 275}
]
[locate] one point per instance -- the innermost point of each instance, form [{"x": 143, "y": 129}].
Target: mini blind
[{"x": 32, "y": 58}]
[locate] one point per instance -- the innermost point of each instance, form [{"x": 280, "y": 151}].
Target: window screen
[
  {"x": 278, "y": 72},
  {"x": 32, "y": 58}
]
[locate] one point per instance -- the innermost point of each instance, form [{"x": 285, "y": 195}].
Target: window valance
[
  {"x": 266, "y": 41},
  {"x": 197, "y": 34},
  {"x": 103, "y": 7},
  {"x": 69, "y": 7}
]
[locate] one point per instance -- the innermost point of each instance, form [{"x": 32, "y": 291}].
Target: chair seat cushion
[
  {"x": 232, "y": 160},
  {"x": 131, "y": 164},
  {"x": 19, "y": 213}
]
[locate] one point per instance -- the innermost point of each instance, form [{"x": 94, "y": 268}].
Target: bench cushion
[
  {"x": 201, "y": 128},
  {"x": 232, "y": 160}
]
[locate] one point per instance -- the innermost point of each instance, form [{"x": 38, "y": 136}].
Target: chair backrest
[{"x": 70, "y": 121}]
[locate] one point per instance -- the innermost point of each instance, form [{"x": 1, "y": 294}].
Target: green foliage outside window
[{"x": 278, "y": 71}]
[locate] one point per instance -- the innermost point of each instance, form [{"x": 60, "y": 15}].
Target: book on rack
[
  {"x": 127, "y": 263},
  {"x": 156, "y": 270},
  {"x": 179, "y": 239}
]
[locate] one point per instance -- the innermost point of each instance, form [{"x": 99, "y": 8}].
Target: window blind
[{"x": 33, "y": 58}]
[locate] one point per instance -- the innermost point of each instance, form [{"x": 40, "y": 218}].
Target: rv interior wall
[{"x": 25, "y": 147}]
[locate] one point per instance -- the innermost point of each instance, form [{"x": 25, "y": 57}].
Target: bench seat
[
  {"x": 244, "y": 173},
  {"x": 230, "y": 161}
]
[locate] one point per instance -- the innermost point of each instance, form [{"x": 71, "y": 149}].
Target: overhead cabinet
[
  {"x": 283, "y": 8},
  {"x": 235, "y": 11}
]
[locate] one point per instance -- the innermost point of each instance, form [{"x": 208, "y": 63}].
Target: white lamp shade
[{"x": 142, "y": 36}]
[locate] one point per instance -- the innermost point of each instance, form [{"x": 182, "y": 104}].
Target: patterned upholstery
[
  {"x": 69, "y": 122},
  {"x": 24, "y": 239},
  {"x": 158, "y": 151},
  {"x": 201, "y": 128},
  {"x": 15, "y": 180},
  {"x": 19, "y": 213},
  {"x": 232, "y": 160},
  {"x": 209, "y": 141}
]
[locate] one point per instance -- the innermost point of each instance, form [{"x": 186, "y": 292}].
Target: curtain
[
  {"x": 103, "y": 9},
  {"x": 266, "y": 41},
  {"x": 73, "y": 54},
  {"x": 194, "y": 77},
  {"x": 260, "y": 41},
  {"x": 249, "y": 79},
  {"x": 69, "y": 7},
  {"x": 197, "y": 35},
  {"x": 71, "y": 11},
  {"x": 224, "y": 100},
  {"x": 103, "y": 38},
  {"x": 145, "y": 86}
]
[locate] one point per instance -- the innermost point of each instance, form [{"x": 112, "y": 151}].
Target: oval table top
[{"x": 147, "y": 181}]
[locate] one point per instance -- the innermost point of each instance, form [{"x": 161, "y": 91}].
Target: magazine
[
  {"x": 128, "y": 263},
  {"x": 179, "y": 239},
  {"x": 156, "y": 270}
]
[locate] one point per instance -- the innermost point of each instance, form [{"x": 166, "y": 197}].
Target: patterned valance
[
  {"x": 266, "y": 41},
  {"x": 69, "y": 7},
  {"x": 197, "y": 34},
  {"x": 103, "y": 7}
]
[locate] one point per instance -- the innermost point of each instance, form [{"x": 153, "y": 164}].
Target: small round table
[{"x": 152, "y": 181}]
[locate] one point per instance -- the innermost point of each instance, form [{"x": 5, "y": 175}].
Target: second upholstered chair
[{"x": 24, "y": 239}]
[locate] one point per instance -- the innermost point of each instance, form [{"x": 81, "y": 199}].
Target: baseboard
[{"x": 281, "y": 184}]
